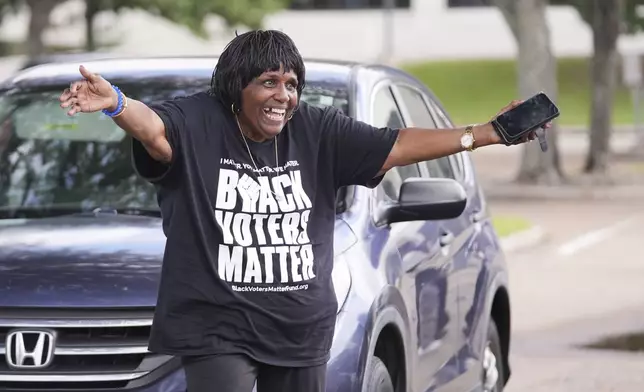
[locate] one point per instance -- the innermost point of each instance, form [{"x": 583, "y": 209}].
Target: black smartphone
[{"x": 530, "y": 115}]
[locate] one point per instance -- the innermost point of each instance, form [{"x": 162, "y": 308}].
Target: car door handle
[{"x": 446, "y": 238}]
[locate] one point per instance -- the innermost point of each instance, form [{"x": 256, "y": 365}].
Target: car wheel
[
  {"x": 377, "y": 378},
  {"x": 493, "y": 372}
]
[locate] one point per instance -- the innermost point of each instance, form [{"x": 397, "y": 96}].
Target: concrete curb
[{"x": 523, "y": 240}]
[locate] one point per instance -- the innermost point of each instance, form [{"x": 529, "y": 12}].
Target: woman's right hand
[{"x": 89, "y": 95}]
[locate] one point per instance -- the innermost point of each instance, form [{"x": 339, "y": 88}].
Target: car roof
[
  {"x": 65, "y": 57},
  {"x": 122, "y": 70}
]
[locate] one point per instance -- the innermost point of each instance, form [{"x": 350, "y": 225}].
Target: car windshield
[{"x": 52, "y": 164}]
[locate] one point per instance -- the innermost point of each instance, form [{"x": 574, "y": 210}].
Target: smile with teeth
[{"x": 275, "y": 113}]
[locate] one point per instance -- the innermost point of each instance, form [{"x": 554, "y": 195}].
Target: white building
[
  {"x": 419, "y": 30},
  {"x": 428, "y": 29}
]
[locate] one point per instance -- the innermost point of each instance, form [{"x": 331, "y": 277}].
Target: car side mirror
[{"x": 425, "y": 199}]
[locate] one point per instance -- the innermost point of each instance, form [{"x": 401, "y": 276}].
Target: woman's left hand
[{"x": 494, "y": 138}]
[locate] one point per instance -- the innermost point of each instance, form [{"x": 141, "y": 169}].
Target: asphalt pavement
[{"x": 585, "y": 282}]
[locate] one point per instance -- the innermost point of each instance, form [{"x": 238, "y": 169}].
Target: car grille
[{"x": 94, "y": 349}]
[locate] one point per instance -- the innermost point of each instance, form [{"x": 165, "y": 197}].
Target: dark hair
[{"x": 249, "y": 55}]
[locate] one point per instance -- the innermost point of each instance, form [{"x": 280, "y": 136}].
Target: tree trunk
[
  {"x": 605, "y": 24},
  {"x": 91, "y": 9},
  {"x": 536, "y": 71},
  {"x": 38, "y": 23}
]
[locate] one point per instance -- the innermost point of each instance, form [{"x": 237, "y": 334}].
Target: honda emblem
[{"x": 30, "y": 349}]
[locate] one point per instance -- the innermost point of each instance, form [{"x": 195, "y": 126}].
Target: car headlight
[{"x": 341, "y": 276}]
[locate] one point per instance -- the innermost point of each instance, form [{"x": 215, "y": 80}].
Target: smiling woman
[
  {"x": 266, "y": 106},
  {"x": 246, "y": 177}
]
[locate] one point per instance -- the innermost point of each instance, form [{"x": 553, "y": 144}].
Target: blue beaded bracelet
[{"x": 119, "y": 106}]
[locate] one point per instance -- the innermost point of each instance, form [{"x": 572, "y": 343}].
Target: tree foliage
[
  {"x": 8, "y": 6},
  {"x": 192, "y": 13}
]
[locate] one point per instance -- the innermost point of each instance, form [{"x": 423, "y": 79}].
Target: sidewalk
[{"x": 583, "y": 129}]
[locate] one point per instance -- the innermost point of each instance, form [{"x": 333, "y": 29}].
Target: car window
[
  {"x": 389, "y": 188},
  {"x": 421, "y": 117},
  {"x": 442, "y": 117},
  {"x": 386, "y": 114},
  {"x": 322, "y": 95},
  {"x": 444, "y": 121},
  {"x": 385, "y": 110}
]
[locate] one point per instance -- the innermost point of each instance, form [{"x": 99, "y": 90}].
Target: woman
[{"x": 247, "y": 177}]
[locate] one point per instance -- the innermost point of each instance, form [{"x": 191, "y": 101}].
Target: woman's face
[{"x": 267, "y": 103}]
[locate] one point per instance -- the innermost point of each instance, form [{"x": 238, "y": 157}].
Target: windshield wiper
[{"x": 154, "y": 212}]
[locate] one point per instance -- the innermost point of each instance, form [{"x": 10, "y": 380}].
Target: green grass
[
  {"x": 636, "y": 167},
  {"x": 509, "y": 224},
  {"x": 474, "y": 91}
]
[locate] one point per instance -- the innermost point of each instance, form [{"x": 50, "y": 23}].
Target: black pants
[{"x": 238, "y": 373}]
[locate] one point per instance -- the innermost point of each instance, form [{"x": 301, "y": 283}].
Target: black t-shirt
[{"x": 249, "y": 254}]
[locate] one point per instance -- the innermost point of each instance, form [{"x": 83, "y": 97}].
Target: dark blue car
[{"x": 419, "y": 275}]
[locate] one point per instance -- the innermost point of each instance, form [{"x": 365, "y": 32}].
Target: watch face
[{"x": 466, "y": 140}]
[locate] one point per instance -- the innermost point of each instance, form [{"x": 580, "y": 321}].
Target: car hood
[
  {"x": 90, "y": 261},
  {"x": 93, "y": 261}
]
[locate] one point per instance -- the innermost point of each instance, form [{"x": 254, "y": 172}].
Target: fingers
[
  {"x": 72, "y": 91},
  {"x": 68, "y": 102},
  {"x": 92, "y": 77},
  {"x": 72, "y": 105},
  {"x": 70, "y": 99},
  {"x": 514, "y": 103},
  {"x": 67, "y": 94},
  {"x": 509, "y": 106},
  {"x": 527, "y": 138},
  {"x": 74, "y": 109},
  {"x": 532, "y": 136},
  {"x": 75, "y": 86},
  {"x": 79, "y": 106}
]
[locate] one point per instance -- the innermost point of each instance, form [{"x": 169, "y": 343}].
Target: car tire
[
  {"x": 377, "y": 378},
  {"x": 493, "y": 372}
]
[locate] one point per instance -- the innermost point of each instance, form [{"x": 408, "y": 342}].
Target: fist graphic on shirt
[{"x": 248, "y": 188}]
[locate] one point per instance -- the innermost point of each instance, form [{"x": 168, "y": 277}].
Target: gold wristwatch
[{"x": 467, "y": 140}]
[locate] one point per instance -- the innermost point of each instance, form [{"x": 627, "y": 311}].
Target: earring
[{"x": 232, "y": 108}]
